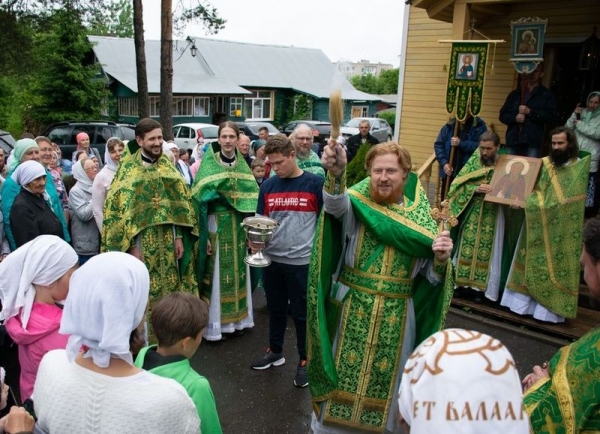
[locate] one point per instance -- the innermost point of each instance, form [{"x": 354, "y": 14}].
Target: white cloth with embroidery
[{"x": 462, "y": 381}]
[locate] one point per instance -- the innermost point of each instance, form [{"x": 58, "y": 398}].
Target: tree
[
  {"x": 389, "y": 81},
  {"x": 115, "y": 19},
  {"x": 140, "y": 60},
  {"x": 202, "y": 12},
  {"x": 166, "y": 69},
  {"x": 386, "y": 83},
  {"x": 63, "y": 87}
]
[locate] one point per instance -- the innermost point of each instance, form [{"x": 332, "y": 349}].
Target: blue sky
[{"x": 344, "y": 29}]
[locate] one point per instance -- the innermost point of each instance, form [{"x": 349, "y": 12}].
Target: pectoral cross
[{"x": 443, "y": 217}]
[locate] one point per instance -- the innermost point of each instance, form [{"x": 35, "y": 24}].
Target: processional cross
[{"x": 443, "y": 217}]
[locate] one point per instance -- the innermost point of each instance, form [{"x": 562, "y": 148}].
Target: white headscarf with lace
[
  {"x": 462, "y": 381},
  {"x": 103, "y": 308}
]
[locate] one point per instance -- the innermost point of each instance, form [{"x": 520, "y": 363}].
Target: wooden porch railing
[{"x": 428, "y": 175}]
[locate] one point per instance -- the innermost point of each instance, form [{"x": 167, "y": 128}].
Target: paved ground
[{"x": 267, "y": 402}]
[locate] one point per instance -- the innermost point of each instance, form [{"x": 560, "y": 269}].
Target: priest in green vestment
[
  {"x": 148, "y": 212},
  {"x": 563, "y": 396},
  {"x": 544, "y": 276},
  {"x": 380, "y": 282},
  {"x": 480, "y": 236},
  {"x": 224, "y": 193}
]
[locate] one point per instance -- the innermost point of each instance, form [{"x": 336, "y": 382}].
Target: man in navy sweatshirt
[{"x": 294, "y": 199}]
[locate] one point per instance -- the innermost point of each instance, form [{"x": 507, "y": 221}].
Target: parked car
[
  {"x": 250, "y": 128},
  {"x": 64, "y": 134},
  {"x": 321, "y": 129},
  {"x": 380, "y": 129},
  {"x": 7, "y": 143},
  {"x": 187, "y": 136}
]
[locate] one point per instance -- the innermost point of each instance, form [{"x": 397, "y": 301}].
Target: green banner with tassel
[{"x": 466, "y": 75}]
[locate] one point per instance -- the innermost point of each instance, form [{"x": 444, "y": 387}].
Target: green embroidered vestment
[
  {"x": 475, "y": 242},
  {"x": 546, "y": 265},
  {"x": 357, "y": 381},
  {"x": 154, "y": 203},
  {"x": 230, "y": 193},
  {"x": 568, "y": 402}
]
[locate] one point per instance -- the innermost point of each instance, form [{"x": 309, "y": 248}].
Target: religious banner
[
  {"x": 464, "y": 93},
  {"x": 527, "y": 43}
]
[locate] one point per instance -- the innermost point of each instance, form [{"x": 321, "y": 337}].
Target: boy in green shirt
[{"x": 179, "y": 320}]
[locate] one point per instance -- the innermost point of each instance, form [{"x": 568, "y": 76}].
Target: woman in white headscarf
[
  {"x": 462, "y": 381},
  {"x": 112, "y": 157},
  {"x": 85, "y": 236},
  {"x": 92, "y": 386},
  {"x": 31, "y": 214},
  {"x": 33, "y": 279}
]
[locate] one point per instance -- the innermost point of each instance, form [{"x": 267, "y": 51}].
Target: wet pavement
[{"x": 267, "y": 402}]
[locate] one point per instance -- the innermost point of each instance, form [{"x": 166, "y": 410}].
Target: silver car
[
  {"x": 380, "y": 129},
  {"x": 188, "y": 135}
]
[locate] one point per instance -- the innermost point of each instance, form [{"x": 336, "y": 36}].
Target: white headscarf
[
  {"x": 112, "y": 165},
  {"x": 462, "y": 381},
  {"x": 41, "y": 261},
  {"x": 167, "y": 146},
  {"x": 81, "y": 176},
  {"x": 27, "y": 172},
  {"x": 103, "y": 308},
  {"x": 198, "y": 150}
]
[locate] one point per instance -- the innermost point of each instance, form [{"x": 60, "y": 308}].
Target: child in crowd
[
  {"x": 178, "y": 321},
  {"x": 258, "y": 170},
  {"x": 34, "y": 282}
]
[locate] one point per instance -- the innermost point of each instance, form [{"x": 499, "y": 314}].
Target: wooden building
[{"x": 422, "y": 90}]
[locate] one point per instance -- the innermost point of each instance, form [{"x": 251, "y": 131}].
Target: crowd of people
[{"x": 112, "y": 276}]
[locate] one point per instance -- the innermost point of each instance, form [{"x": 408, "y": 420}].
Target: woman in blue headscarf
[
  {"x": 25, "y": 150},
  {"x": 585, "y": 122}
]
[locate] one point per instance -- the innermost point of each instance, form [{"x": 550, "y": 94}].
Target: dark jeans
[{"x": 285, "y": 282}]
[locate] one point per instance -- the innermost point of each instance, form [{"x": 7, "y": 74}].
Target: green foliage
[
  {"x": 366, "y": 83},
  {"x": 64, "y": 87},
  {"x": 386, "y": 83},
  {"x": 299, "y": 108},
  {"x": 390, "y": 117},
  {"x": 116, "y": 19},
  {"x": 388, "y": 80},
  {"x": 356, "y": 171},
  {"x": 203, "y": 13}
]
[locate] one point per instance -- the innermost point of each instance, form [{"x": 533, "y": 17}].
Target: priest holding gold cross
[{"x": 380, "y": 283}]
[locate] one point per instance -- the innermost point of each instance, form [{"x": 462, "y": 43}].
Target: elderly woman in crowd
[
  {"x": 31, "y": 215},
  {"x": 33, "y": 280},
  {"x": 26, "y": 150},
  {"x": 585, "y": 122},
  {"x": 112, "y": 157},
  {"x": 84, "y": 232},
  {"x": 461, "y": 381},
  {"x": 93, "y": 386},
  {"x": 56, "y": 172}
]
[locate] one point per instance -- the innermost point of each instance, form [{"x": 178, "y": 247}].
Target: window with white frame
[
  {"x": 360, "y": 111},
  {"x": 154, "y": 102},
  {"x": 182, "y": 106},
  {"x": 235, "y": 107},
  {"x": 201, "y": 106},
  {"x": 128, "y": 106},
  {"x": 258, "y": 105}
]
